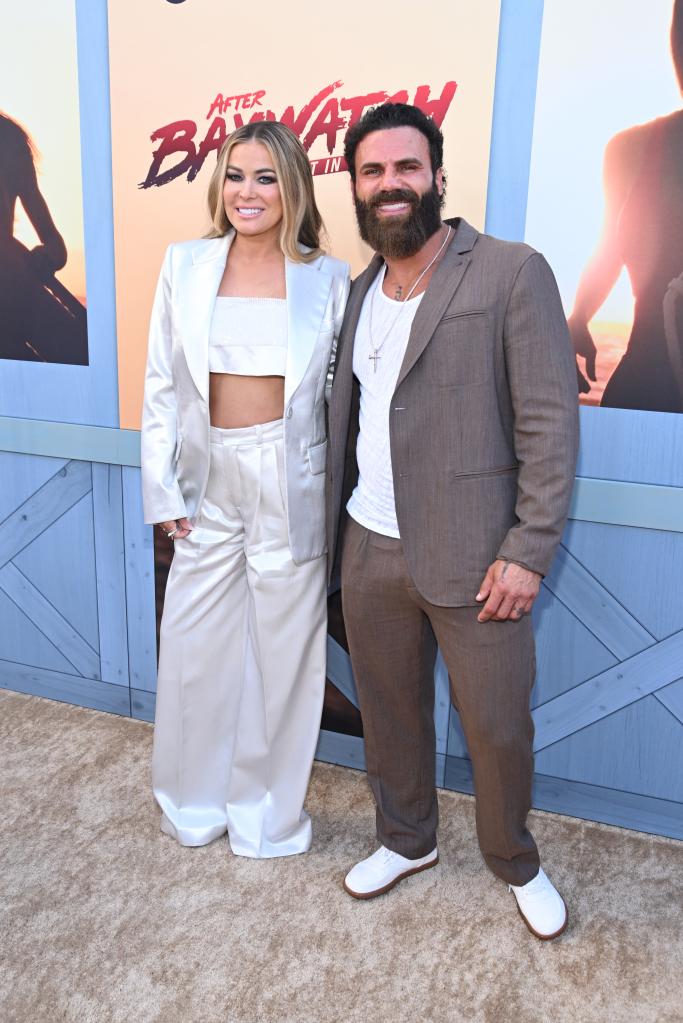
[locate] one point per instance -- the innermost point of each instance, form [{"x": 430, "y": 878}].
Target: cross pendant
[{"x": 374, "y": 358}]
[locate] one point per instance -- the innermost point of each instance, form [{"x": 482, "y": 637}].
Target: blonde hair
[{"x": 301, "y": 220}]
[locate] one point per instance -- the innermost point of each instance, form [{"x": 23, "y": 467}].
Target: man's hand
[{"x": 509, "y": 591}]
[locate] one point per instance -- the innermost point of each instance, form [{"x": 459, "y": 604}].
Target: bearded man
[{"x": 453, "y": 438}]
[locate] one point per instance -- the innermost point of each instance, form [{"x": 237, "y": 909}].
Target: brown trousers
[{"x": 393, "y": 634}]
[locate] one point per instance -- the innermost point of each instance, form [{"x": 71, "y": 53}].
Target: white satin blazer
[{"x": 175, "y": 418}]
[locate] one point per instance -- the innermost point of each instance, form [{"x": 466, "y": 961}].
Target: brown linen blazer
[{"x": 483, "y": 422}]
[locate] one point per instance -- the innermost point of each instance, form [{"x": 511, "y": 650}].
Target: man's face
[{"x": 397, "y": 197}]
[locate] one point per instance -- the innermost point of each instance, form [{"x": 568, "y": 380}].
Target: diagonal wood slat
[
  {"x": 107, "y": 498},
  {"x": 61, "y": 492},
  {"x": 671, "y": 697},
  {"x": 617, "y": 687},
  {"x": 595, "y": 607},
  {"x": 51, "y": 623},
  {"x": 339, "y": 670}
]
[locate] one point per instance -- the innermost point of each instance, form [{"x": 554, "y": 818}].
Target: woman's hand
[{"x": 176, "y": 529}]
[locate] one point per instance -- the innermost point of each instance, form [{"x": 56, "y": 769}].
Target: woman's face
[{"x": 251, "y": 193}]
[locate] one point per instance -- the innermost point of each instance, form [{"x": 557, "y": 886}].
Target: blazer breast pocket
[{"x": 461, "y": 351}]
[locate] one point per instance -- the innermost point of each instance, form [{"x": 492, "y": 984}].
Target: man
[{"x": 453, "y": 435}]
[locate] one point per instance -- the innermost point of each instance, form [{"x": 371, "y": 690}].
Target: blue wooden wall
[{"x": 76, "y": 562}]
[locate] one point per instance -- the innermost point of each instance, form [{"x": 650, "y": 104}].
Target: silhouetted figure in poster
[
  {"x": 40, "y": 320},
  {"x": 643, "y": 231}
]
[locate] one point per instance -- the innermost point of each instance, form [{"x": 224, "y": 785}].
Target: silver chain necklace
[{"x": 376, "y": 348}]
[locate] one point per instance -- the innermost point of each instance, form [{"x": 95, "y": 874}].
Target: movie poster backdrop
[
  {"x": 606, "y": 193},
  {"x": 42, "y": 267},
  {"x": 183, "y": 75}
]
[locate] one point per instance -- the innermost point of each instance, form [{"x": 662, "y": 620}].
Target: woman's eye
[
  {"x": 232, "y": 177},
  {"x": 267, "y": 181}
]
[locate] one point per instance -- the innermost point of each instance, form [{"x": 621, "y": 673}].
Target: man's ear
[{"x": 438, "y": 178}]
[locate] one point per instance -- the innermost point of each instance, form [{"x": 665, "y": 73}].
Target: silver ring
[
  {"x": 172, "y": 532},
  {"x": 518, "y": 610}
]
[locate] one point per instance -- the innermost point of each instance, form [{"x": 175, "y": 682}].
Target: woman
[
  {"x": 233, "y": 459},
  {"x": 643, "y": 231}
]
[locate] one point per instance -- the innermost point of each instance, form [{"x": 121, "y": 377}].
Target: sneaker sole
[
  {"x": 392, "y": 884},
  {"x": 545, "y": 937}
]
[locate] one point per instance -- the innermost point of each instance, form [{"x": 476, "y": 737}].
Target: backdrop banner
[
  {"x": 183, "y": 77},
  {"x": 42, "y": 268},
  {"x": 606, "y": 193}
]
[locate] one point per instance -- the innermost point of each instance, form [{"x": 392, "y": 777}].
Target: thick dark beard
[{"x": 400, "y": 237}]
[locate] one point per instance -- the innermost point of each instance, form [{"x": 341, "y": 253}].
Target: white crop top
[{"x": 248, "y": 336}]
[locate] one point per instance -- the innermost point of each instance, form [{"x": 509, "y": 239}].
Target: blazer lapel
[
  {"x": 308, "y": 290},
  {"x": 197, "y": 300},
  {"x": 441, "y": 289}
]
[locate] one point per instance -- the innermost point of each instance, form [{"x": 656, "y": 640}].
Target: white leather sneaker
[
  {"x": 381, "y": 871},
  {"x": 541, "y": 907}
]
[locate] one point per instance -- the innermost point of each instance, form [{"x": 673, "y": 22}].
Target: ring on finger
[{"x": 171, "y": 533}]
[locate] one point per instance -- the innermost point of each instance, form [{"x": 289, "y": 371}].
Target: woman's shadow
[
  {"x": 40, "y": 320},
  {"x": 642, "y": 231}
]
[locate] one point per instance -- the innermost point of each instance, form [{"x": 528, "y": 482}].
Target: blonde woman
[{"x": 233, "y": 460}]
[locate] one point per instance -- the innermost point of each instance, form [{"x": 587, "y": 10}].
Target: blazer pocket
[
  {"x": 458, "y": 316},
  {"x": 178, "y": 448},
  {"x": 317, "y": 458}
]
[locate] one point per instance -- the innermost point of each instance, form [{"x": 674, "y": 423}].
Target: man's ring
[
  {"x": 170, "y": 533},
  {"x": 518, "y": 611}
]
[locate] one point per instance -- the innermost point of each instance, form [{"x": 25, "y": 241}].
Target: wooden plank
[
  {"x": 628, "y": 504},
  {"x": 61, "y": 492},
  {"x": 139, "y": 569},
  {"x": 671, "y": 697},
  {"x": 55, "y": 685},
  {"x": 339, "y": 670},
  {"x": 588, "y": 802},
  {"x": 641, "y": 568},
  {"x": 336, "y": 748},
  {"x": 48, "y": 619},
  {"x": 637, "y": 749},
  {"x": 107, "y": 500},
  {"x": 22, "y": 642},
  {"x": 142, "y": 704},
  {"x": 70, "y": 440},
  {"x": 595, "y": 607},
  {"x": 21, "y": 476},
  {"x": 442, "y": 704},
  {"x": 627, "y": 444},
  {"x": 60, "y": 563},
  {"x": 609, "y": 691}
]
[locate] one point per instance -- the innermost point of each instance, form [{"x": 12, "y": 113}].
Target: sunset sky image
[
  {"x": 595, "y": 80},
  {"x": 46, "y": 105}
]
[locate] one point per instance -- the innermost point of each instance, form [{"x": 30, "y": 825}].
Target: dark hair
[
  {"x": 677, "y": 40},
  {"x": 393, "y": 115}
]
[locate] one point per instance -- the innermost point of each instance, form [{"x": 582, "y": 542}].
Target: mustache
[{"x": 394, "y": 195}]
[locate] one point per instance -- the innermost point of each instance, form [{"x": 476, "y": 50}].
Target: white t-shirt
[{"x": 372, "y": 502}]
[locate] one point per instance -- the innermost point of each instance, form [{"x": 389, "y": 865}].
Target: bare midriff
[{"x": 237, "y": 401}]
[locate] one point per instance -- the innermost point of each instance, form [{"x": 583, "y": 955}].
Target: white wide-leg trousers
[{"x": 241, "y": 661}]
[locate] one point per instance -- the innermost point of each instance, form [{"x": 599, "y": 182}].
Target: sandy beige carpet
[{"x": 103, "y": 918}]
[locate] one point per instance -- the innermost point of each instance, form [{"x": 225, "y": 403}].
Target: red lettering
[
  {"x": 175, "y": 138},
  {"x": 213, "y": 140},
  {"x": 435, "y": 108},
  {"x": 217, "y": 105},
  {"x": 298, "y": 123},
  {"x": 328, "y": 122},
  {"x": 357, "y": 104}
]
